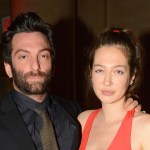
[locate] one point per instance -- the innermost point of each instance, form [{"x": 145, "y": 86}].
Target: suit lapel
[
  {"x": 13, "y": 121},
  {"x": 67, "y": 127}
]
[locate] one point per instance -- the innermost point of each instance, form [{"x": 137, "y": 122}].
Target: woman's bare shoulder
[
  {"x": 142, "y": 128},
  {"x": 141, "y": 118},
  {"x": 83, "y": 116}
]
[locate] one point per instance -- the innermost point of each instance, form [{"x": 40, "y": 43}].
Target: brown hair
[{"x": 132, "y": 49}]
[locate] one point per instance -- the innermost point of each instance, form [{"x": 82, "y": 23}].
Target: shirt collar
[{"x": 26, "y": 103}]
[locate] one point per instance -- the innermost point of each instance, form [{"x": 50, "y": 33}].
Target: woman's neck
[{"x": 113, "y": 111}]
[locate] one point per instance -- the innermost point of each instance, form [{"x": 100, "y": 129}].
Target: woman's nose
[{"x": 107, "y": 79}]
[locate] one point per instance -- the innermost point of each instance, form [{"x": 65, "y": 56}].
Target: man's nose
[{"x": 35, "y": 64}]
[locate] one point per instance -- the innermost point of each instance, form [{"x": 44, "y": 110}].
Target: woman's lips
[{"x": 107, "y": 93}]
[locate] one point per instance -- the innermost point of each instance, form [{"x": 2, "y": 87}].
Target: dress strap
[
  {"x": 87, "y": 128},
  {"x": 122, "y": 138}
]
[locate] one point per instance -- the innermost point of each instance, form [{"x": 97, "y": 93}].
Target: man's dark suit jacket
[{"x": 15, "y": 136}]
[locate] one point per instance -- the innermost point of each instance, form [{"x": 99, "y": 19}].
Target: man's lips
[{"x": 35, "y": 78}]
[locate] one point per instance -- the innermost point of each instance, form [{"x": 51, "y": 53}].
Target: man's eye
[
  {"x": 22, "y": 57},
  {"x": 44, "y": 56}
]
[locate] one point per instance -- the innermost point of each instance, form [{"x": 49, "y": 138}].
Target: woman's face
[{"x": 110, "y": 74}]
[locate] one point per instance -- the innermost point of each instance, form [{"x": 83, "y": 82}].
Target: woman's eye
[
  {"x": 99, "y": 71},
  {"x": 120, "y": 72}
]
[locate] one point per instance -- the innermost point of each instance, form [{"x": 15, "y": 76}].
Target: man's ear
[{"x": 8, "y": 69}]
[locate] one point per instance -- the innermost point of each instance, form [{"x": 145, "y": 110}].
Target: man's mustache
[{"x": 39, "y": 73}]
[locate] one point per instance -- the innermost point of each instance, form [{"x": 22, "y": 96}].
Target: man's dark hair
[{"x": 25, "y": 22}]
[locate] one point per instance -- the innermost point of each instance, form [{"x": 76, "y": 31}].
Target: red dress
[{"x": 122, "y": 140}]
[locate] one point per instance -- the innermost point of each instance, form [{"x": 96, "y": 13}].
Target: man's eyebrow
[
  {"x": 122, "y": 66},
  {"x": 27, "y": 51},
  {"x": 46, "y": 49},
  {"x": 21, "y": 50}
]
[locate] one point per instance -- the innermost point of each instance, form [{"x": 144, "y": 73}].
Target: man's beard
[{"x": 31, "y": 88}]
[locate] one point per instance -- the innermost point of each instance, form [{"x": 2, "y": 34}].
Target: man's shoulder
[
  {"x": 6, "y": 102},
  {"x": 70, "y": 106}
]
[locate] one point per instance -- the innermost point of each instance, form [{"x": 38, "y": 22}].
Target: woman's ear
[
  {"x": 132, "y": 79},
  {"x": 8, "y": 69}
]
